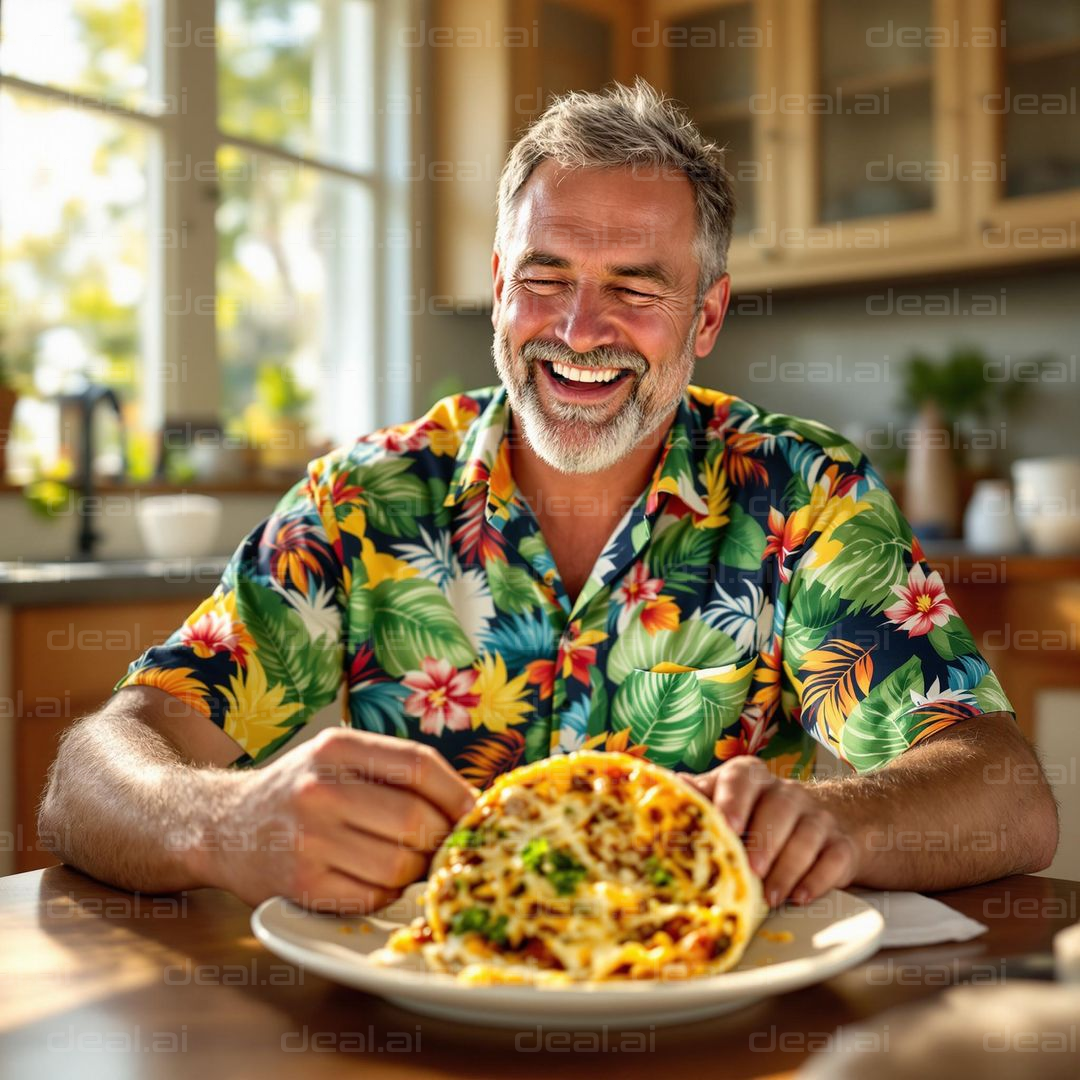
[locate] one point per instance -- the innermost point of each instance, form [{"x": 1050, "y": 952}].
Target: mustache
[{"x": 605, "y": 356}]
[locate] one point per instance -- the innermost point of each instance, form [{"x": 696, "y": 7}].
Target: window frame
[{"x": 181, "y": 369}]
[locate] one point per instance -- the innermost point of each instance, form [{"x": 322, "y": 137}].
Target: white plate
[{"x": 828, "y": 936}]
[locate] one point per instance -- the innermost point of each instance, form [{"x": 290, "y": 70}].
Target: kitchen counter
[{"x": 34, "y": 584}]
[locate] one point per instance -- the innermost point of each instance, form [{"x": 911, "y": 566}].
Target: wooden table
[{"x": 95, "y": 982}]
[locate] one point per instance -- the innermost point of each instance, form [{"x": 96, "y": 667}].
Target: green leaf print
[
  {"x": 876, "y": 542},
  {"x": 413, "y": 619},
  {"x": 511, "y": 587},
  {"x": 537, "y": 739},
  {"x": 694, "y": 645},
  {"x": 796, "y": 494},
  {"x": 309, "y": 670},
  {"x": 598, "y": 703},
  {"x": 361, "y": 612},
  {"x": 952, "y": 640},
  {"x": 990, "y": 697},
  {"x": 743, "y": 542},
  {"x": 662, "y": 711},
  {"x": 393, "y": 498},
  {"x": 882, "y": 726},
  {"x": 722, "y": 697},
  {"x": 678, "y": 547},
  {"x": 811, "y": 615}
]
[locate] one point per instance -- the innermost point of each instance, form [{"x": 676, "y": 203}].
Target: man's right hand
[{"x": 342, "y": 823}]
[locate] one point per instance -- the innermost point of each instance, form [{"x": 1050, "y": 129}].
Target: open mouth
[{"x": 584, "y": 382}]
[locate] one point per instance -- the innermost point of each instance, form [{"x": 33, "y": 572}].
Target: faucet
[{"x": 85, "y": 401}]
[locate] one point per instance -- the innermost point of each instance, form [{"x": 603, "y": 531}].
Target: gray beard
[{"x": 568, "y": 437}]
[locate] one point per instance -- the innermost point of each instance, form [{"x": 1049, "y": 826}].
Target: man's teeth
[{"x": 577, "y": 374}]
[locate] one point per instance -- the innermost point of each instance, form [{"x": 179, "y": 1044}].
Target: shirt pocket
[{"x": 680, "y": 713}]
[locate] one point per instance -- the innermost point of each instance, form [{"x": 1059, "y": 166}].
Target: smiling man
[{"x": 597, "y": 553}]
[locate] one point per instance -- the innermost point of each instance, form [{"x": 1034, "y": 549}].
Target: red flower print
[
  {"x": 922, "y": 604},
  {"x": 441, "y": 696}
]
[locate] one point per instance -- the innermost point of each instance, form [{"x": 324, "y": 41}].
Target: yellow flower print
[
  {"x": 500, "y": 701},
  {"x": 717, "y": 497},
  {"x": 382, "y": 567},
  {"x": 179, "y": 682},
  {"x": 256, "y": 714}
]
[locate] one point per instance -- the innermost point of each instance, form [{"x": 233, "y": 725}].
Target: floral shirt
[{"x": 764, "y": 595}]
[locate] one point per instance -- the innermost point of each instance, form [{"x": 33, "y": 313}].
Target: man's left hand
[{"x": 796, "y": 846}]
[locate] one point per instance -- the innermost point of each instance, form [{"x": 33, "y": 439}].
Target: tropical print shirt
[{"x": 764, "y": 595}]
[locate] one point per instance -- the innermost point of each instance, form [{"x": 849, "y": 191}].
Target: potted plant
[
  {"x": 955, "y": 405},
  {"x": 276, "y": 420}
]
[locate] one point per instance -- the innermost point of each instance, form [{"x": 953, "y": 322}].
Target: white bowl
[
  {"x": 1046, "y": 486},
  {"x": 1053, "y": 534},
  {"x": 179, "y": 526}
]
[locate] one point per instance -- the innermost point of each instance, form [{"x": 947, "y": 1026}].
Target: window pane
[
  {"x": 74, "y": 261},
  {"x": 93, "y": 47},
  {"x": 295, "y": 293},
  {"x": 297, "y": 74}
]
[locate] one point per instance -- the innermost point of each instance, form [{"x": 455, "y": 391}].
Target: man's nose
[{"x": 586, "y": 324}]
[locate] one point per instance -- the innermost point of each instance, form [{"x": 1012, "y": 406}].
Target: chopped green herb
[
  {"x": 658, "y": 874},
  {"x": 560, "y": 867},
  {"x": 478, "y": 920},
  {"x": 467, "y": 838},
  {"x": 532, "y": 854}
]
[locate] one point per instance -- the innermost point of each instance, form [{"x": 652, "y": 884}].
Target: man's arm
[
  {"x": 967, "y": 805},
  {"x": 137, "y": 798}
]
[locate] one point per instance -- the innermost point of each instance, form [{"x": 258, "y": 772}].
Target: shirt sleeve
[
  {"x": 875, "y": 656},
  {"x": 264, "y": 652}
]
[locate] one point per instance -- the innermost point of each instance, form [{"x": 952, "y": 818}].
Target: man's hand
[
  {"x": 342, "y": 823},
  {"x": 795, "y": 845}
]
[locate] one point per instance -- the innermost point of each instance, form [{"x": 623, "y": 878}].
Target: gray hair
[{"x": 628, "y": 126}]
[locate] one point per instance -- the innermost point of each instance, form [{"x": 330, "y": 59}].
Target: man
[{"x": 593, "y": 554}]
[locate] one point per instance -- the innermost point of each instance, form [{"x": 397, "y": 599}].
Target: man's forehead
[{"x": 634, "y": 212}]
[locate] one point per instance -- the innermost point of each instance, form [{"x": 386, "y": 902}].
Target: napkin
[{"x": 914, "y": 919}]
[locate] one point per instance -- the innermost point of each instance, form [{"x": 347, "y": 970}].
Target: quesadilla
[{"x": 586, "y": 867}]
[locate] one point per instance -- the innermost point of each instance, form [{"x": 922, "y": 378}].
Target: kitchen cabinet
[
  {"x": 494, "y": 65},
  {"x": 1023, "y": 107},
  {"x": 65, "y": 660},
  {"x": 868, "y": 140},
  {"x": 722, "y": 61}
]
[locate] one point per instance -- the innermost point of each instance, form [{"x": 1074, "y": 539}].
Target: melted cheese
[{"x": 588, "y": 866}]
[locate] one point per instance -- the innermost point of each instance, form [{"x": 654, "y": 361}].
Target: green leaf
[
  {"x": 743, "y": 541},
  {"x": 812, "y": 613},
  {"x": 437, "y": 488},
  {"x": 512, "y": 587},
  {"x": 990, "y": 697},
  {"x": 411, "y": 620},
  {"x": 876, "y": 542},
  {"x": 952, "y": 640},
  {"x": 309, "y": 670},
  {"x": 693, "y": 644},
  {"x": 393, "y": 499},
  {"x": 722, "y": 697},
  {"x": 361, "y": 610},
  {"x": 796, "y": 493},
  {"x": 598, "y": 703},
  {"x": 537, "y": 740},
  {"x": 882, "y": 726},
  {"x": 662, "y": 711},
  {"x": 680, "y": 546}
]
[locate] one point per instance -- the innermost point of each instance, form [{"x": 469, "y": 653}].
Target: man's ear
[
  {"x": 713, "y": 309},
  {"x": 496, "y": 288}
]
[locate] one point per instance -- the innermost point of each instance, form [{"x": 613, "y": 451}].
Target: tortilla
[{"x": 587, "y": 867}]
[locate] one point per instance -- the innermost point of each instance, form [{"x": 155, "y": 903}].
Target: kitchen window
[{"x": 198, "y": 196}]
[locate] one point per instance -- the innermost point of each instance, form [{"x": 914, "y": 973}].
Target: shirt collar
[{"x": 483, "y": 459}]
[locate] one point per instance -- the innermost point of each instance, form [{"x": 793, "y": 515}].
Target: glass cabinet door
[
  {"x": 1025, "y": 116},
  {"x": 871, "y": 116},
  {"x": 719, "y": 60}
]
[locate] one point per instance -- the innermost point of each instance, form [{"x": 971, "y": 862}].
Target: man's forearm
[
  {"x": 123, "y": 806},
  {"x": 968, "y": 805}
]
